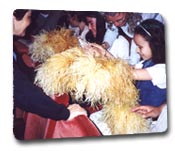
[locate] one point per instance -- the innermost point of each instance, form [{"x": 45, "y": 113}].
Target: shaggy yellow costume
[
  {"x": 100, "y": 80},
  {"x": 48, "y": 43}
]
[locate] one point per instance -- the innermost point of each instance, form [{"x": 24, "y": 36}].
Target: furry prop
[
  {"x": 49, "y": 43},
  {"x": 96, "y": 80},
  {"x": 126, "y": 122}
]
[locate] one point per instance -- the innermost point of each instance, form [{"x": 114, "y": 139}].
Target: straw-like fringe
[
  {"x": 97, "y": 79},
  {"x": 48, "y": 43},
  {"x": 53, "y": 76},
  {"x": 121, "y": 120}
]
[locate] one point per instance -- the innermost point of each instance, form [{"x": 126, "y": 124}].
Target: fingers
[
  {"x": 98, "y": 47},
  {"x": 142, "y": 107},
  {"x": 74, "y": 106},
  {"x": 97, "y": 50},
  {"x": 147, "y": 115},
  {"x": 137, "y": 108},
  {"x": 76, "y": 110},
  {"x": 147, "y": 111},
  {"x": 144, "y": 111}
]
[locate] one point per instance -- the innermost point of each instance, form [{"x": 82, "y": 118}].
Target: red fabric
[
  {"x": 92, "y": 110},
  {"x": 80, "y": 126},
  {"x": 28, "y": 61},
  {"x": 42, "y": 128},
  {"x": 62, "y": 99},
  {"x": 35, "y": 127}
]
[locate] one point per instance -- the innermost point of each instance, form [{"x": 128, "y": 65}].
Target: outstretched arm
[{"x": 141, "y": 74}]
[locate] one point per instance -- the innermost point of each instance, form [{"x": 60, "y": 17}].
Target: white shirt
[
  {"x": 161, "y": 124},
  {"x": 157, "y": 73},
  {"x": 83, "y": 33},
  {"x": 120, "y": 48},
  {"x": 122, "y": 45},
  {"x": 112, "y": 33}
]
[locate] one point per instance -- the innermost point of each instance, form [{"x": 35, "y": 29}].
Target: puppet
[
  {"x": 49, "y": 43},
  {"x": 97, "y": 80}
]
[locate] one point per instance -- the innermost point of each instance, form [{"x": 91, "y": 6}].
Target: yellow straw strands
[
  {"x": 48, "y": 43},
  {"x": 96, "y": 80},
  {"x": 53, "y": 75},
  {"x": 121, "y": 120}
]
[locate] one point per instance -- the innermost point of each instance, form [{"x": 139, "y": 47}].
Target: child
[
  {"x": 149, "y": 73},
  {"x": 96, "y": 25}
]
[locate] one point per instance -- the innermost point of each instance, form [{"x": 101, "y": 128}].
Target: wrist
[{"x": 105, "y": 45}]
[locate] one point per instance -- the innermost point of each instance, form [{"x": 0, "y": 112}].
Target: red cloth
[
  {"x": 80, "y": 126},
  {"x": 35, "y": 127},
  {"x": 42, "y": 128}
]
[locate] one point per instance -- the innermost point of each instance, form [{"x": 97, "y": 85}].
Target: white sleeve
[
  {"x": 120, "y": 48},
  {"x": 110, "y": 35},
  {"x": 161, "y": 124},
  {"x": 158, "y": 74},
  {"x": 156, "y": 16}
]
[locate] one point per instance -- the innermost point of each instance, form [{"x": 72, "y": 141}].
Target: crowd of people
[{"x": 138, "y": 38}]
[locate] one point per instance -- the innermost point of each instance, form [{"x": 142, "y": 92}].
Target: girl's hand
[{"x": 148, "y": 111}]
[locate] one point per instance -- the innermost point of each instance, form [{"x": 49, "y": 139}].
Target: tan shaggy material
[
  {"x": 49, "y": 43},
  {"x": 96, "y": 80}
]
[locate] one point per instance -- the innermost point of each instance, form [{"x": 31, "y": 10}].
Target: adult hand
[
  {"x": 76, "y": 110},
  {"x": 105, "y": 45},
  {"x": 19, "y": 26},
  {"x": 96, "y": 50}
]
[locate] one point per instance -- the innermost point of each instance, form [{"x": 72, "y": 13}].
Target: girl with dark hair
[
  {"x": 150, "y": 73},
  {"x": 150, "y": 76},
  {"x": 153, "y": 32},
  {"x": 96, "y": 24}
]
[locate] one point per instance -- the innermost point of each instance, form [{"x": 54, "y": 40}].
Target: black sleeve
[{"x": 32, "y": 99}]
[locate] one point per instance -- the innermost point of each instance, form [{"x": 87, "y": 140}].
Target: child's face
[
  {"x": 143, "y": 48},
  {"x": 73, "y": 21},
  {"x": 92, "y": 25}
]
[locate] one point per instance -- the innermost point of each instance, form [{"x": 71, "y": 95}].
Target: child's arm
[{"x": 141, "y": 74}]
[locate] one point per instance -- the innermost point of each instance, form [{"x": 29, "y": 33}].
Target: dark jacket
[{"x": 31, "y": 98}]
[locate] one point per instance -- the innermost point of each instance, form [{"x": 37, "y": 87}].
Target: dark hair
[
  {"x": 153, "y": 32},
  {"x": 78, "y": 15},
  {"x": 19, "y": 13},
  {"x": 100, "y": 26}
]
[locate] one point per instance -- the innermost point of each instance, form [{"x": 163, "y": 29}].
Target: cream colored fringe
[
  {"x": 96, "y": 80},
  {"x": 49, "y": 43}
]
